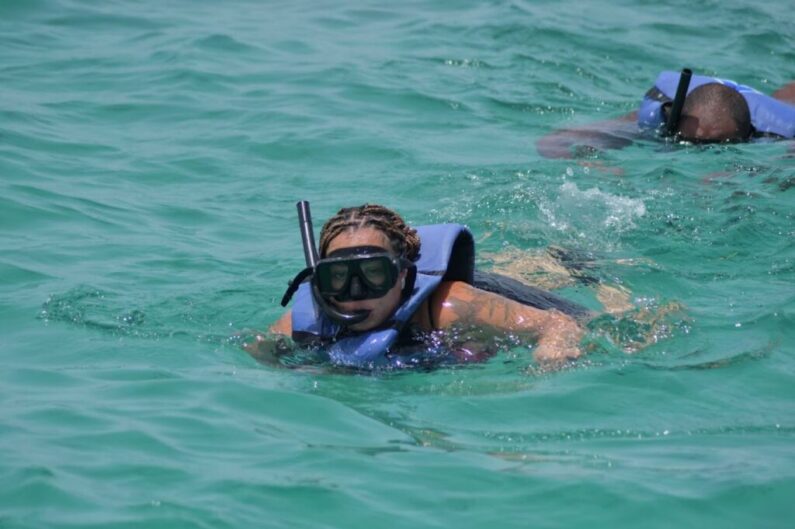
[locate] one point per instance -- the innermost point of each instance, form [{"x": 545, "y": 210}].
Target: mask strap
[
  {"x": 411, "y": 278},
  {"x": 293, "y": 285}
]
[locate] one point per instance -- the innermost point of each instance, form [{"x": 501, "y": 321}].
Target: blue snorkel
[
  {"x": 311, "y": 258},
  {"x": 679, "y": 101}
]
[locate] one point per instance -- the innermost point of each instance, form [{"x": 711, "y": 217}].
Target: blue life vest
[
  {"x": 768, "y": 115},
  {"x": 447, "y": 254}
]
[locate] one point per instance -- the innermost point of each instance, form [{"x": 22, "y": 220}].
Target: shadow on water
[
  {"x": 206, "y": 320},
  {"x": 694, "y": 360},
  {"x": 87, "y": 307},
  {"x": 109, "y": 313},
  {"x": 612, "y": 341}
]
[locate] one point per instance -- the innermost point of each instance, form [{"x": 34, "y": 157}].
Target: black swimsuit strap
[{"x": 429, "y": 301}]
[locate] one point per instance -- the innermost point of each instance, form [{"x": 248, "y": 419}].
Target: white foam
[{"x": 591, "y": 214}]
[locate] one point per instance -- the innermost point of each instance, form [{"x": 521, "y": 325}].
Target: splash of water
[{"x": 594, "y": 218}]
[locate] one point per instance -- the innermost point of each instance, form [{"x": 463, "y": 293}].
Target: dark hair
[
  {"x": 404, "y": 239},
  {"x": 716, "y": 102}
]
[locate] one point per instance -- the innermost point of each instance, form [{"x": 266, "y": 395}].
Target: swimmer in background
[
  {"x": 378, "y": 284},
  {"x": 713, "y": 111}
]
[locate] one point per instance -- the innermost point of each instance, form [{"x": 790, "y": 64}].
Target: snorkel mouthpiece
[
  {"x": 345, "y": 319},
  {"x": 311, "y": 258},
  {"x": 679, "y": 101}
]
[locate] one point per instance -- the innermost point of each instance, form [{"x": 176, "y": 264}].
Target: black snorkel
[
  {"x": 307, "y": 234},
  {"x": 311, "y": 258},
  {"x": 675, "y": 114}
]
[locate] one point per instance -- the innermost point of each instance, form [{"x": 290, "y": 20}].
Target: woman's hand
[{"x": 559, "y": 338}]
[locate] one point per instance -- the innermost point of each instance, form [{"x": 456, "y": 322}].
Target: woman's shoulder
[
  {"x": 457, "y": 289},
  {"x": 452, "y": 301},
  {"x": 433, "y": 310}
]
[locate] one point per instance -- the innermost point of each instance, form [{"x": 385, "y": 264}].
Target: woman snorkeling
[{"x": 379, "y": 289}]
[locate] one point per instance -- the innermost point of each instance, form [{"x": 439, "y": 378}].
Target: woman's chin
[{"x": 369, "y": 323}]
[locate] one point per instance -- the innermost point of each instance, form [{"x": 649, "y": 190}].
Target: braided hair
[{"x": 404, "y": 240}]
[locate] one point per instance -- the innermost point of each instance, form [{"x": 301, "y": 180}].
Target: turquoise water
[{"x": 150, "y": 158}]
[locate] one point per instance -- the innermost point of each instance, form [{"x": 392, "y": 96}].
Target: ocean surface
[{"x": 151, "y": 155}]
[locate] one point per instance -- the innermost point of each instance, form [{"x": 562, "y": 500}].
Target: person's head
[
  {"x": 714, "y": 112},
  {"x": 356, "y": 236}
]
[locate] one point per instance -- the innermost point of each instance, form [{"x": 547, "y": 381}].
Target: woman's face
[{"x": 380, "y": 308}]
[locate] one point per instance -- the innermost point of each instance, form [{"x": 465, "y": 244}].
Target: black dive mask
[{"x": 360, "y": 272}]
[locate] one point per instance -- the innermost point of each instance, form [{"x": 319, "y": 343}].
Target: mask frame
[{"x": 358, "y": 273}]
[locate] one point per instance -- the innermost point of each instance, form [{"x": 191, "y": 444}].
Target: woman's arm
[
  {"x": 283, "y": 325},
  {"x": 786, "y": 93},
  {"x": 456, "y": 302},
  {"x": 268, "y": 347},
  {"x": 579, "y": 142}
]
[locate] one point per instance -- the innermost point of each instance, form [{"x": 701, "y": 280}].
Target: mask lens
[
  {"x": 332, "y": 278},
  {"x": 375, "y": 271},
  {"x": 338, "y": 276}
]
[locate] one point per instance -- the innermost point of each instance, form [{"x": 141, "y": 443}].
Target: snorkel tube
[
  {"x": 311, "y": 257},
  {"x": 307, "y": 235},
  {"x": 679, "y": 101}
]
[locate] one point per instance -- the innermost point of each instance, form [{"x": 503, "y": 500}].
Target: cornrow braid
[{"x": 404, "y": 239}]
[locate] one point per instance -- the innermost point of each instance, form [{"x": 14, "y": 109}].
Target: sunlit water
[{"x": 151, "y": 154}]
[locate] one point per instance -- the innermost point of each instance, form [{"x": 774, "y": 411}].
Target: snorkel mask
[
  {"x": 361, "y": 272},
  {"x": 347, "y": 274}
]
